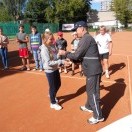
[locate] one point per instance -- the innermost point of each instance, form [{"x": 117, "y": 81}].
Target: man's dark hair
[
  {"x": 33, "y": 26},
  {"x": 22, "y": 26}
]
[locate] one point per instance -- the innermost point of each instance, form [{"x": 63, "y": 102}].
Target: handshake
[{"x": 67, "y": 62}]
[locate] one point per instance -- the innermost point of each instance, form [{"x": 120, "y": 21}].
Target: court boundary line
[
  {"x": 121, "y": 55},
  {"x": 79, "y": 78},
  {"x": 130, "y": 88}
]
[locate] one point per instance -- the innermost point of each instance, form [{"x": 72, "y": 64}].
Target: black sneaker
[
  {"x": 4, "y": 69},
  {"x": 92, "y": 120}
]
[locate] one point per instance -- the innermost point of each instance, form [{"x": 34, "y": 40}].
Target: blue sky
[{"x": 96, "y": 4}]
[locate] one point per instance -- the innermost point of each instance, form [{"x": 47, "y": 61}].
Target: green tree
[
  {"x": 65, "y": 11},
  {"x": 35, "y": 10},
  {"x": 4, "y": 16},
  {"x": 14, "y": 7},
  {"x": 123, "y": 11}
]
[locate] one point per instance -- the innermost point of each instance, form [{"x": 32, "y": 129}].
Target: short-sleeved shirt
[
  {"x": 103, "y": 42},
  {"x": 22, "y": 36},
  {"x": 61, "y": 44},
  {"x": 75, "y": 43}
]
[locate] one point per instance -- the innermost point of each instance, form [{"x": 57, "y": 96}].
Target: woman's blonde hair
[{"x": 47, "y": 43}]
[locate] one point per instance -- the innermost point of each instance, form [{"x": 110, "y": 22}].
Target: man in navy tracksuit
[{"x": 87, "y": 51}]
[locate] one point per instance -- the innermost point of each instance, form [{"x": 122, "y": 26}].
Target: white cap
[
  {"x": 47, "y": 30},
  {"x": 74, "y": 33}
]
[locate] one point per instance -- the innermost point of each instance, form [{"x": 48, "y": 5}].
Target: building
[
  {"x": 106, "y": 5},
  {"x": 106, "y": 18}
]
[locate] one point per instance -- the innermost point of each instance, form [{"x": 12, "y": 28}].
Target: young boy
[
  {"x": 74, "y": 46},
  {"x": 22, "y": 40},
  {"x": 35, "y": 43},
  {"x": 61, "y": 44},
  {"x": 104, "y": 43}
]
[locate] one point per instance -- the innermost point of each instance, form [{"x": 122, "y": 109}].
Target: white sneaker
[
  {"x": 34, "y": 69},
  {"x": 60, "y": 71},
  {"x": 107, "y": 75},
  {"x": 92, "y": 120},
  {"x": 28, "y": 69},
  {"x": 65, "y": 71},
  {"x": 55, "y": 106},
  {"x": 40, "y": 70},
  {"x": 83, "y": 108}
]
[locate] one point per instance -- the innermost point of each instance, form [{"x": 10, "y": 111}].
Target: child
[
  {"x": 3, "y": 49},
  {"x": 74, "y": 46},
  {"x": 50, "y": 64},
  {"x": 104, "y": 43},
  {"x": 61, "y": 44},
  {"x": 22, "y": 39},
  {"x": 35, "y": 43}
]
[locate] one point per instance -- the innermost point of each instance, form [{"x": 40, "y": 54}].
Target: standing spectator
[
  {"x": 47, "y": 33},
  {"x": 3, "y": 49},
  {"x": 35, "y": 43},
  {"x": 50, "y": 64},
  {"x": 92, "y": 69},
  {"x": 104, "y": 43},
  {"x": 74, "y": 46},
  {"x": 61, "y": 44},
  {"x": 22, "y": 39}
]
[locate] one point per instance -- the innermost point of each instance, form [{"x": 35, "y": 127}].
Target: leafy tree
[
  {"x": 65, "y": 11},
  {"x": 123, "y": 11},
  {"x": 4, "y": 16},
  {"x": 14, "y": 7},
  {"x": 35, "y": 10}
]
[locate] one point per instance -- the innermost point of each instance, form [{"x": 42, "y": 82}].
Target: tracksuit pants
[
  {"x": 54, "y": 84},
  {"x": 93, "y": 94}
]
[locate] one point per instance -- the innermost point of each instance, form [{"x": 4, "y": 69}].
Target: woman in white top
[{"x": 104, "y": 43}]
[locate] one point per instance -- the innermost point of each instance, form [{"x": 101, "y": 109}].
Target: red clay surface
[{"x": 24, "y": 102}]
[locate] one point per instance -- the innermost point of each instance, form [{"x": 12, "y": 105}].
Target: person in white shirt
[{"x": 104, "y": 43}]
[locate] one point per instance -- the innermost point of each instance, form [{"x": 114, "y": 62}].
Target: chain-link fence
[{"x": 11, "y": 28}]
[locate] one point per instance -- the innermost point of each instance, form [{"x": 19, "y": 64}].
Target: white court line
[
  {"x": 79, "y": 78},
  {"x": 121, "y": 55},
  {"x": 130, "y": 88}
]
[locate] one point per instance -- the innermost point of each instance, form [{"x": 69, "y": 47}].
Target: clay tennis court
[{"x": 24, "y": 101}]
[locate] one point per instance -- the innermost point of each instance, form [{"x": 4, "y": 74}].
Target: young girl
[
  {"x": 3, "y": 49},
  {"x": 51, "y": 64}
]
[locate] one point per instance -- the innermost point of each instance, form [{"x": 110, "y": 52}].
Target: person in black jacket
[
  {"x": 61, "y": 44},
  {"x": 87, "y": 51}
]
